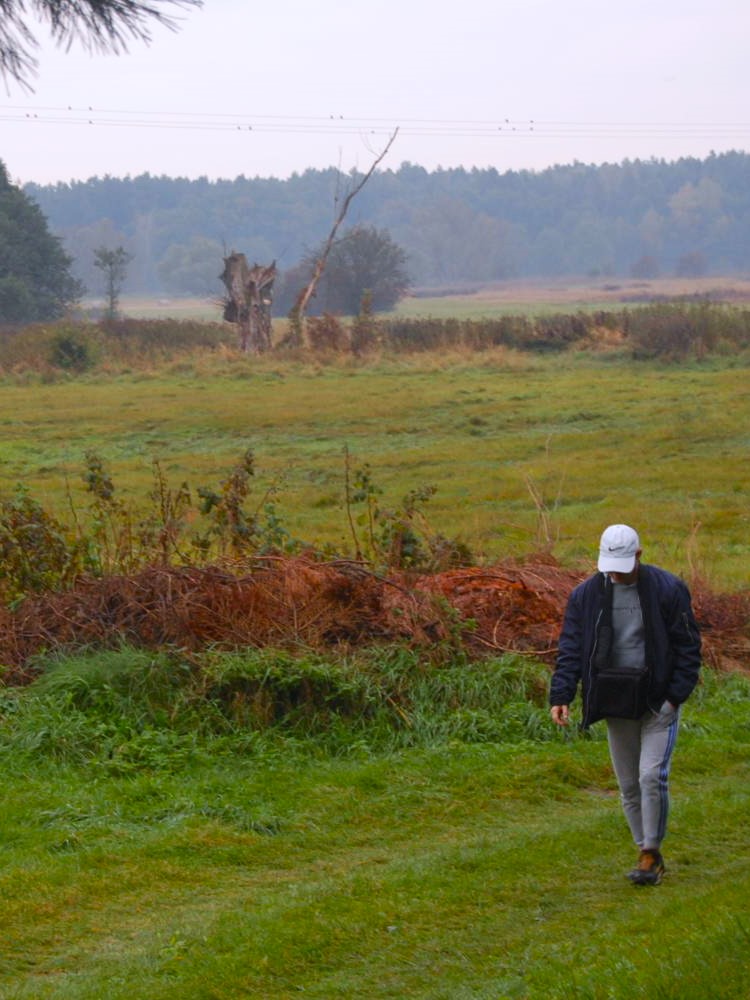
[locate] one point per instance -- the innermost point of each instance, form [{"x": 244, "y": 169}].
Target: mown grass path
[{"x": 459, "y": 872}]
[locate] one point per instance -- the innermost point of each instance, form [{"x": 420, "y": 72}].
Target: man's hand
[{"x": 559, "y": 714}]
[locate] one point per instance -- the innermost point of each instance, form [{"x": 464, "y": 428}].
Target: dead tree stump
[{"x": 249, "y": 298}]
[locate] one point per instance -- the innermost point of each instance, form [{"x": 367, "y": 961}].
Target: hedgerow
[{"x": 670, "y": 331}]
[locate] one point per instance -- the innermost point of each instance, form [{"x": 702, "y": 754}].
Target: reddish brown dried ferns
[{"x": 287, "y": 602}]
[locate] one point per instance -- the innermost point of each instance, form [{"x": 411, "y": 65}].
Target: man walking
[{"x": 630, "y": 638}]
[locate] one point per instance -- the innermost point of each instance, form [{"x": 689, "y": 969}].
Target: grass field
[
  {"x": 155, "y": 862},
  {"x": 525, "y": 452}
]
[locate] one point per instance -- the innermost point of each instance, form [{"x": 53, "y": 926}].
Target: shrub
[
  {"x": 327, "y": 333},
  {"x": 545, "y": 333},
  {"x": 36, "y": 551},
  {"x": 556, "y": 333},
  {"x": 365, "y": 332},
  {"x": 673, "y": 331},
  {"x": 71, "y": 352}
]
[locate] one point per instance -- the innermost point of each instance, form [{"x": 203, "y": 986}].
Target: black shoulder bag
[{"x": 615, "y": 694}]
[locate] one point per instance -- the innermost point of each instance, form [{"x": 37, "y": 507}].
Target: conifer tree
[
  {"x": 35, "y": 279},
  {"x": 102, "y": 25}
]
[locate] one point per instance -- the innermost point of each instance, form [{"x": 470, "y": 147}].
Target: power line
[{"x": 337, "y": 124}]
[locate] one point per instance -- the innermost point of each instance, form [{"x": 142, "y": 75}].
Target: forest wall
[{"x": 637, "y": 218}]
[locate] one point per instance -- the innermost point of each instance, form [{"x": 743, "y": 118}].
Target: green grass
[
  {"x": 273, "y": 864},
  {"x": 165, "y": 307},
  {"x": 595, "y": 440},
  {"x": 485, "y": 305}
]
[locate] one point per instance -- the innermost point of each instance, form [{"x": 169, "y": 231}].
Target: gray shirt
[{"x": 628, "y": 635}]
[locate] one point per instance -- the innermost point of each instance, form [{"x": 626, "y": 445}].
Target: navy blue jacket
[{"x": 673, "y": 645}]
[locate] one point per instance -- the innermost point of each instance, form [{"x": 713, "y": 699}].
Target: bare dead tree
[
  {"x": 297, "y": 314},
  {"x": 249, "y": 298}
]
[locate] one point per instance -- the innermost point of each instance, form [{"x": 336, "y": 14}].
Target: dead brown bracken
[{"x": 309, "y": 604}]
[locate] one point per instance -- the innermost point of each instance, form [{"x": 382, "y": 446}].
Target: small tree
[
  {"x": 114, "y": 266},
  {"x": 364, "y": 260}
]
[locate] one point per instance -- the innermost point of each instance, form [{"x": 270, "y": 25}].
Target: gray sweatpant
[{"x": 641, "y": 752}]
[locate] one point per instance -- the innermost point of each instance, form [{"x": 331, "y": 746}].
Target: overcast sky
[{"x": 265, "y": 89}]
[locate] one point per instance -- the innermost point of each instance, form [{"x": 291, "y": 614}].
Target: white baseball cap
[{"x": 617, "y": 549}]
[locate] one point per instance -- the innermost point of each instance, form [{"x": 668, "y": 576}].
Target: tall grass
[
  {"x": 126, "y": 708},
  {"x": 69, "y": 348},
  {"x": 675, "y": 330}
]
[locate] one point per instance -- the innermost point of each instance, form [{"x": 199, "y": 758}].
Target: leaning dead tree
[
  {"x": 248, "y": 302},
  {"x": 297, "y": 314}
]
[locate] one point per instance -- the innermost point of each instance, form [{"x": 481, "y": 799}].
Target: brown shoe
[{"x": 649, "y": 869}]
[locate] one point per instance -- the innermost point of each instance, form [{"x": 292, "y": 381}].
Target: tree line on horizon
[{"x": 456, "y": 227}]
